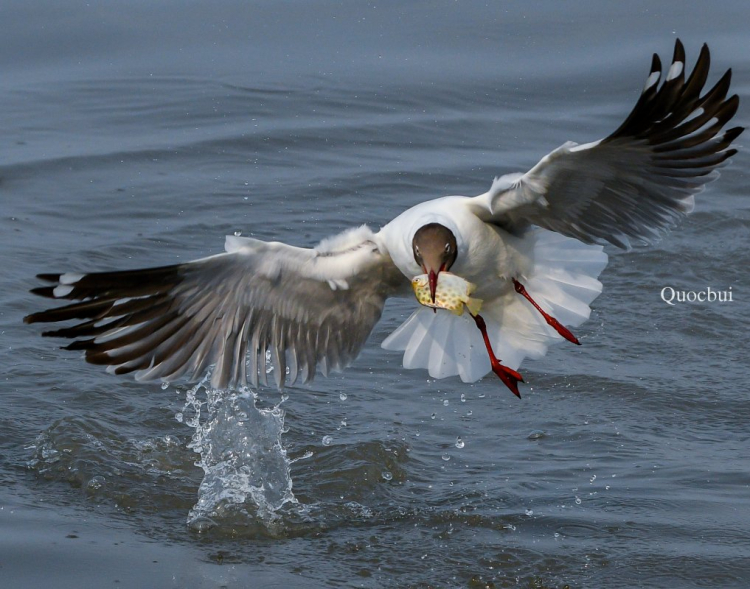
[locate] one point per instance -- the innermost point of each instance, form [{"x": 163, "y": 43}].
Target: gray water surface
[{"x": 140, "y": 135}]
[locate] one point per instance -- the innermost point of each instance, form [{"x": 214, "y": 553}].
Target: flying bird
[{"x": 532, "y": 245}]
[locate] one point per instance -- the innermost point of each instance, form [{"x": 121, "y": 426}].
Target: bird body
[
  {"x": 532, "y": 245},
  {"x": 561, "y": 272}
]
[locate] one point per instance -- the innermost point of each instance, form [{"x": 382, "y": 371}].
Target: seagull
[{"x": 532, "y": 245}]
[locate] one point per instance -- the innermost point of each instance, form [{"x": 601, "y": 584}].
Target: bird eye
[
  {"x": 447, "y": 248},
  {"x": 416, "y": 249}
]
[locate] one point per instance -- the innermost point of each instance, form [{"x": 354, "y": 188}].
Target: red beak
[{"x": 433, "y": 277}]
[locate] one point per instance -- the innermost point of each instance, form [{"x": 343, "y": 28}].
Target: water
[
  {"x": 242, "y": 457},
  {"x": 142, "y": 137}
]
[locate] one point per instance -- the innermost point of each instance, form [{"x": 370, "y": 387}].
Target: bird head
[{"x": 435, "y": 250}]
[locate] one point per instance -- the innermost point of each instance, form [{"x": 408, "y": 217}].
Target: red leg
[
  {"x": 559, "y": 327},
  {"x": 510, "y": 377}
]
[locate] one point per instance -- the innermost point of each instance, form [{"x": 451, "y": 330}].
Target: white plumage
[{"x": 561, "y": 273}]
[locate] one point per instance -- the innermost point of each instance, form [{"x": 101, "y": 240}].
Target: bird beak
[{"x": 433, "y": 278}]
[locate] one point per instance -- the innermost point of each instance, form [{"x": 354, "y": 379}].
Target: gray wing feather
[
  {"x": 637, "y": 182},
  {"x": 176, "y": 321}
]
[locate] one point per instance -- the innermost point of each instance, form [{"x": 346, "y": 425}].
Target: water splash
[{"x": 246, "y": 468}]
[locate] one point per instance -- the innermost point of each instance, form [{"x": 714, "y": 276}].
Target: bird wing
[
  {"x": 308, "y": 308},
  {"x": 639, "y": 181}
]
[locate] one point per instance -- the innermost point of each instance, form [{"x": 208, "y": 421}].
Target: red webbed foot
[{"x": 510, "y": 377}]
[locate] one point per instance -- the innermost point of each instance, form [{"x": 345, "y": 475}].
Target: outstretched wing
[
  {"x": 308, "y": 308},
  {"x": 639, "y": 181}
]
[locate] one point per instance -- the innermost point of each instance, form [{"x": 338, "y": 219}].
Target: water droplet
[
  {"x": 469, "y": 412},
  {"x": 481, "y": 395},
  {"x": 463, "y": 398},
  {"x": 237, "y": 233},
  {"x": 446, "y": 402},
  {"x": 172, "y": 441},
  {"x": 95, "y": 483},
  {"x": 459, "y": 442},
  {"x": 537, "y": 434},
  {"x": 592, "y": 479},
  {"x": 164, "y": 386},
  {"x": 557, "y": 535},
  {"x": 529, "y": 512},
  {"x": 606, "y": 487},
  {"x": 342, "y": 396},
  {"x": 578, "y": 500},
  {"x": 327, "y": 440},
  {"x": 202, "y": 524},
  {"x": 343, "y": 423},
  {"x": 386, "y": 474},
  {"x": 433, "y": 416},
  {"x": 446, "y": 457},
  {"x": 179, "y": 416}
]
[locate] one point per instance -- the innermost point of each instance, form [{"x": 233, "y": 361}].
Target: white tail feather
[{"x": 558, "y": 272}]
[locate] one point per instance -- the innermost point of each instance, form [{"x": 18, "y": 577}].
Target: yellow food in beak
[{"x": 452, "y": 293}]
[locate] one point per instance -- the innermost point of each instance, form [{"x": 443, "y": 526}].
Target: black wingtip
[
  {"x": 704, "y": 58},
  {"x": 732, "y": 134},
  {"x": 655, "y": 64},
  {"x": 679, "y": 52},
  {"x": 730, "y": 153},
  {"x": 48, "y": 292},
  {"x": 80, "y": 344},
  {"x": 725, "y": 81},
  {"x": 38, "y": 317}
]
